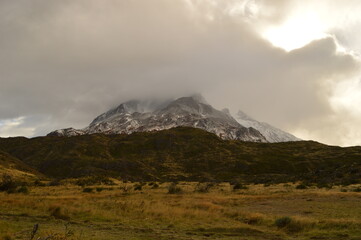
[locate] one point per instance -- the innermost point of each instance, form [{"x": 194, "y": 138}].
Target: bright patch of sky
[
  {"x": 14, "y": 127},
  {"x": 297, "y": 31},
  {"x": 347, "y": 97}
]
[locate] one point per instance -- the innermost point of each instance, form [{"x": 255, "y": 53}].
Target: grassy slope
[
  {"x": 17, "y": 169},
  {"x": 120, "y": 212},
  {"x": 185, "y": 154}
]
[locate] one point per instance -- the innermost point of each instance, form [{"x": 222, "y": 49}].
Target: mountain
[
  {"x": 147, "y": 116},
  {"x": 185, "y": 153},
  {"x": 271, "y": 133}
]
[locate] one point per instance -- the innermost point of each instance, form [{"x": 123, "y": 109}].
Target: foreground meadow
[{"x": 181, "y": 211}]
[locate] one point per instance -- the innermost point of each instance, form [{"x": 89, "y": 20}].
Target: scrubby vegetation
[
  {"x": 174, "y": 188},
  {"x": 183, "y": 154},
  {"x": 204, "y": 187},
  {"x": 238, "y": 186},
  {"x": 59, "y": 213},
  {"x": 10, "y": 185},
  {"x": 278, "y": 211},
  {"x": 94, "y": 180},
  {"x": 301, "y": 186},
  {"x": 283, "y": 222},
  {"x": 88, "y": 190}
]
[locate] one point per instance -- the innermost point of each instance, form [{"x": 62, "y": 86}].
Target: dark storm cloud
[{"x": 64, "y": 62}]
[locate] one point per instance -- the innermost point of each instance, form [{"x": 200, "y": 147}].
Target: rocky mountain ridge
[
  {"x": 271, "y": 133},
  {"x": 147, "y": 116}
]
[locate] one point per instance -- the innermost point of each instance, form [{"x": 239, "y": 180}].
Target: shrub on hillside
[
  {"x": 283, "y": 222},
  {"x": 253, "y": 219},
  {"x": 301, "y": 186},
  {"x": 174, "y": 188},
  {"x": 59, "y": 213},
  {"x": 203, "y": 187},
  {"x": 94, "y": 180},
  {"x": 9, "y": 185},
  {"x": 38, "y": 183},
  {"x": 55, "y": 182},
  {"x": 293, "y": 225},
  {"x": 87, "y": 190},
  {"x": 23, "y": 189},
  {"x": 155, "y": 185},
  {"x": 324, "y": 185},
  {"x": 124, "y": 188},
  {"x": 238, "y": 186},
  {"x": 349, "y": 180},
  {"x": 6, "y": 237}
]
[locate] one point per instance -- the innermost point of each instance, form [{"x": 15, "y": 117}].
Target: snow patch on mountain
[{"x": 271, "y": 133}]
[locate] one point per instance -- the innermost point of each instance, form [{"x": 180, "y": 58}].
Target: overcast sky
[{"x": 294, "y": 64}]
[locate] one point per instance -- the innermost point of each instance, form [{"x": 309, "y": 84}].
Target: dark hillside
[{"x": 185, "y": 154}]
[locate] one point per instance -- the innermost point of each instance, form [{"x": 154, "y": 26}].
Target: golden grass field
[{"x": 120, "y": 212}]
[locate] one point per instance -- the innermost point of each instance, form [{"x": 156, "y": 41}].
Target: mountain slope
[
  {"x": 271, "y": 133},
  {"x": 138, "y": 116},
  {"x": 12, "y": 166},
  {"x": 185, "y": 154}
]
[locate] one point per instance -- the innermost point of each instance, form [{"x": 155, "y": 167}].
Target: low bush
[
  {"x": 301, "y": 186},
  {"x": 349, "y": 180},
  {"x": 239, "y": 186},
  {"x": 94, "y": 180},
  {"x": 253, "y": 219},
  {"x": 54, "y": 182},
  {"x": 124, "y": 188},
  {"x": 358, "y": 189},
  {"x": 324, "y": 185},
  {"x": 293, "y": 225},
  {"x": 6, "y": 237},
  {"x": 9, "y": 185},
  {"x": 203, "y": 187},
  {"x": 155, "y": 185},
  {"x": 23, "y": 189},
  {"x": 174, "y": 188},
  {"x": 283, "y": 222},
  {"x": 88, "y": 190},
  {"x": 59, "y": 213},
  {"x": 38, "y": 183}
]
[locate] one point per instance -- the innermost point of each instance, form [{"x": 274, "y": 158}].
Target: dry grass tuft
[
  {"x": 174, "y": 188},
  {"x": 295, "y": 224},
  {"x": 59, "y": 213}
]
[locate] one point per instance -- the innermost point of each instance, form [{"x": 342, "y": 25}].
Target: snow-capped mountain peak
[
  {"x": 272, "y": 134},
  {"x": 143, "y": 116},
  {"x": 194, "y": 111}
]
